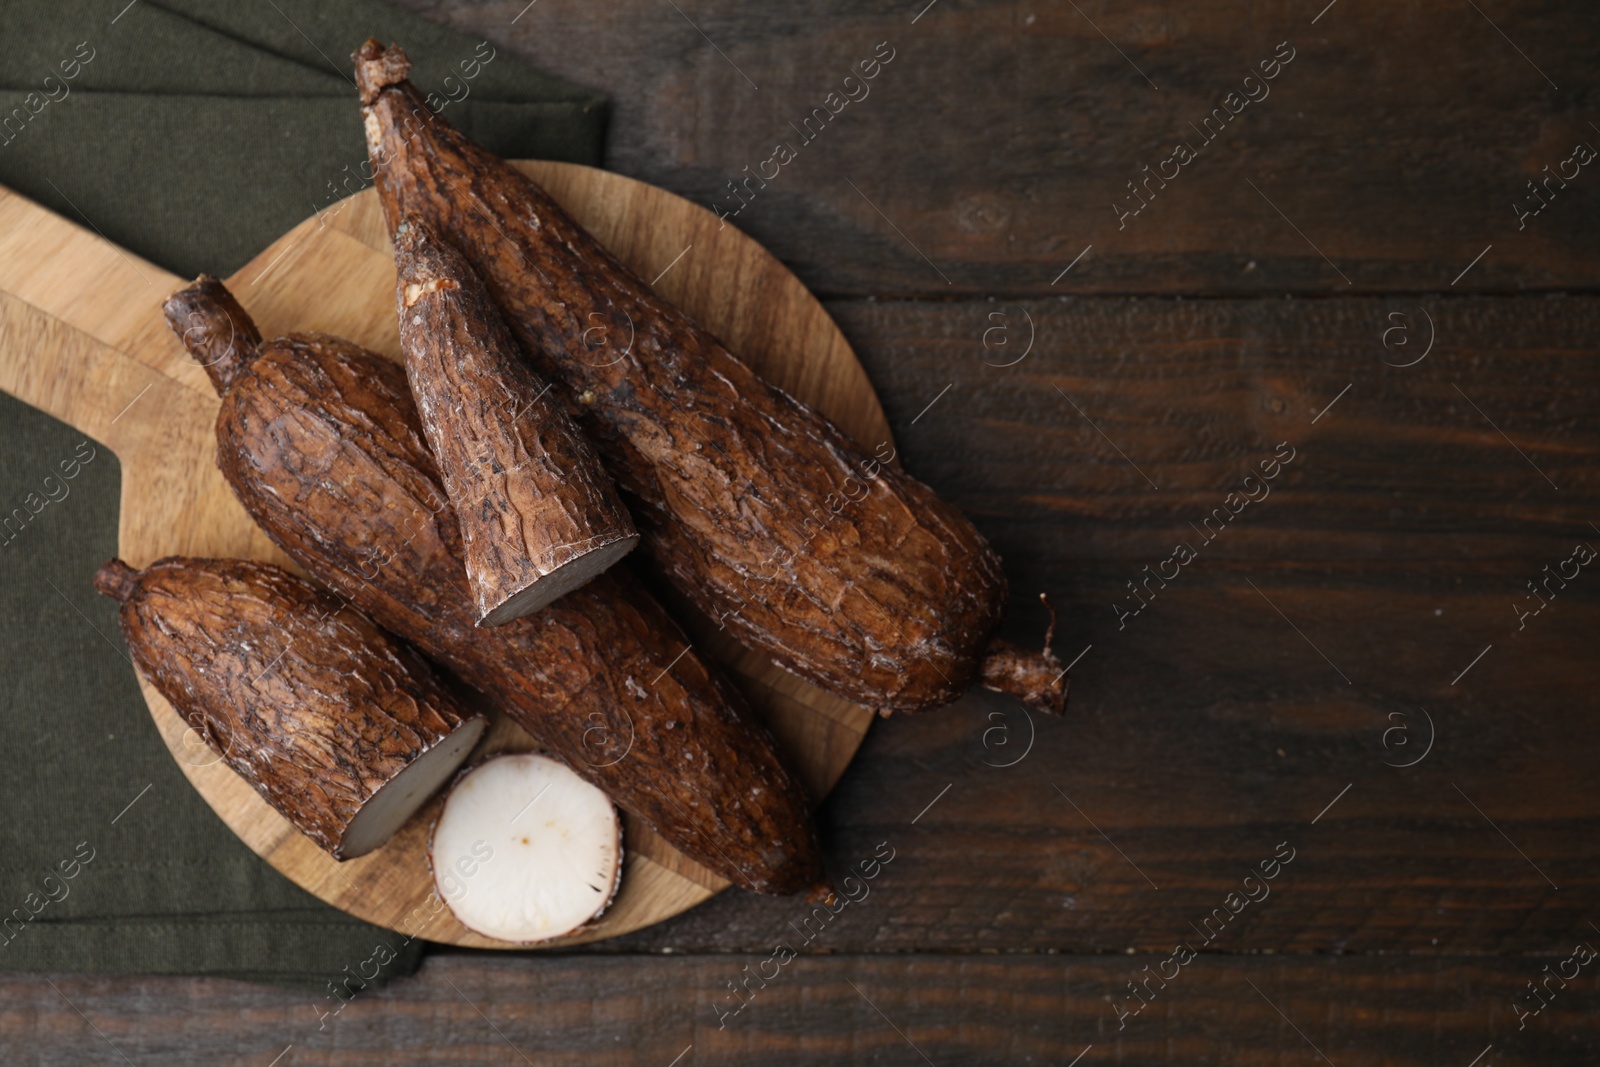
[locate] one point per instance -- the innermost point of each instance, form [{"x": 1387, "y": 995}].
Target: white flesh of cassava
[{"x": 525, "y": 850}]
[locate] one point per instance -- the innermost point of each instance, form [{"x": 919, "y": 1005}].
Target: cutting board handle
[{"x": 76, "y": 308}]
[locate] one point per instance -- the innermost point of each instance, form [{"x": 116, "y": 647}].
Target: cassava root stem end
[
  {"x": 215, "y": 329},
  {"x": 1035, "y": 678},
  {"x": 378, "y": 67},
  {"x": 116, "y": 580}
]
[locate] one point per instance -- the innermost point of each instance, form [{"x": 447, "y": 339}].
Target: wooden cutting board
[{"x": 82, "y": 338}]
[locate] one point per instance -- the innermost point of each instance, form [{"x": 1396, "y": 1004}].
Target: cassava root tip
[
  {"x": 378, "y": 67},
  {"x": 215, "y": 328},
  {"x": 116, "y": 580},
  {"x": 821, "y": 893},
  {"x": 1035, "y": 678}
]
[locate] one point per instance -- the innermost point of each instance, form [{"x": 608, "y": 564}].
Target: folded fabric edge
[
  {"x": 322, "y": 955},
  {"x": 558, "y": 89}
]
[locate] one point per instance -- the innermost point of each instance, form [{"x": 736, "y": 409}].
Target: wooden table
[{"x": 1346, "y": 669}]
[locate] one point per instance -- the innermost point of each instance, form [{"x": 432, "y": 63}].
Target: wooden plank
[
  {"x": 949, "y": 1011},
  {"x": 1057, "y": 455},
  {"x": 997, "y": 140}
]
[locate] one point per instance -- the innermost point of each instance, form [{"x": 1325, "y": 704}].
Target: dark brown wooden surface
[
  {"x": 1267, "y": 693},
  {"x": 999, "y": 136},
  {"x": 956, "y": 1011}
]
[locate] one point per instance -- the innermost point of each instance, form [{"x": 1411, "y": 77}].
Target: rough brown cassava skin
[
  {"x": 842, "y": 569},
  {"x": 299, "y": 693},
  {"x": 322, "y": 444},
  {"x": 539, "y": 515}
]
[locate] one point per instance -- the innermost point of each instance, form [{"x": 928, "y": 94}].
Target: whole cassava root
[
  {"x": 322, "y": 444},
  {"x": 342, "y": 729},
  {"x": 760, "y": 511},
  {"x": 539, "y": 515}
]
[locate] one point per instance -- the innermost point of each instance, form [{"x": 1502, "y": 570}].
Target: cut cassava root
[
  {"x": 322, "y": 444},
  {"x": 524, "y": 850},
  {"x": 342, "y": 729},
  {"x": 539, "y": 515},
  {"x": 887, "y": 596}
]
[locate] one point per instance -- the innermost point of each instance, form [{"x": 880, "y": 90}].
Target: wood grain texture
[
  {"x": 320, "y": 277},
  {"x": 1129, "y": 419},
  {"x": 988, "y": 154},
  {"x": 954, "y": 1010}
]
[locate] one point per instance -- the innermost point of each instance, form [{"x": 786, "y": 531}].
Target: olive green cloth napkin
[
  {"x": 193, "y": 133},
  {"x": 196, "y": 131}
]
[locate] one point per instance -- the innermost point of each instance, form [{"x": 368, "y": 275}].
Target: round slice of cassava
[
  {"x": 341, "y": 728},
  {"x": 539, "y": 515},
  {"x": 524, "y": 850}
]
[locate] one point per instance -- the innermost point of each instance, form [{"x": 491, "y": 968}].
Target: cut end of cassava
[
  {"x": 558, "y": 583},
  {"x": 394, "y": 802},
  {"x": 525, "y": 850},
  {"x": 539, "y": 515},
  {"x": 116, "y": 580},
  {"x": 214, "y": 328},
  {"x": 378, "y": 67},
  {"x": 1035, "y": 678}
]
